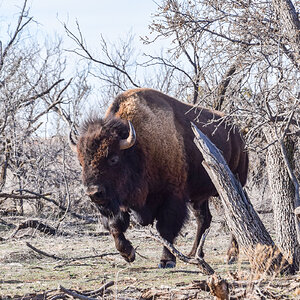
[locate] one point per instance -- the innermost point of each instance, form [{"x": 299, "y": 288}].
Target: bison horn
[
  {"x": 72, "y": 142},
  {"x": 129, "y": 142}
]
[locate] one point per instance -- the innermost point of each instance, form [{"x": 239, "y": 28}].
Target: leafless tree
[
  {"x": 241, "y": 57},
  {"x": 37, "y": 103},
  {"x": 251, "y": 53},
  {"x": 118, "y": 66}
]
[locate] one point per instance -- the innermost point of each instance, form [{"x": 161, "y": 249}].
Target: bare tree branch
[
  {"x": 20, "y": 26},
  {"x": 200, "y": 262},
  {"x": 47, "y": 91},
  {"x": 43, "y": 252},
  {"x": 86, "y": 54}
]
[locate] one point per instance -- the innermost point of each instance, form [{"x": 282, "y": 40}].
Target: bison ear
[
  {"x": 129, "y": 142},
  {"x": 73, "y": 141}
]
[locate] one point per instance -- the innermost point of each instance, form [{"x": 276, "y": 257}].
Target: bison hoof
[
  {"x": 231, "y": 260},
  {"x": 130, "y": 257},
  {"x": 167, "y": 264}
]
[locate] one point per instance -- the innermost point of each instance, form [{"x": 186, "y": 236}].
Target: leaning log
[
  {"x": 243, "y": 221},
  {"x": 297, "y": 212}
]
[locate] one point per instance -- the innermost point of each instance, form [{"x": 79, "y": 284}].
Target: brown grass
[{"x": 25, "y": 272}]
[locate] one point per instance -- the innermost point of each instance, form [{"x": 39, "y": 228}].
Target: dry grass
[{"x": 25, "y": 272}]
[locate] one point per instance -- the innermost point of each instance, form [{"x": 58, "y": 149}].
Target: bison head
[{"x": 110, "y": 163}]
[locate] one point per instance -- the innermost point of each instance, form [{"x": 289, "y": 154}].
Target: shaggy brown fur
[
  {"x": 156, "y": 177},
  {"x": 163, "y": 129},
  {"x": 163, "y": 149}
]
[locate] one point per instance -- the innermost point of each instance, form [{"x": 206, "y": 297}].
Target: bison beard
[{"x": 140, "y": 159}]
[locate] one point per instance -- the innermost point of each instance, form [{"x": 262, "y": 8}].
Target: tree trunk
[
  {"x": 289, "y": 28},
  {"x": 287, "y": 13},
  {"x": 242, "y": 219},
  {"x": 283, "y": 197}
]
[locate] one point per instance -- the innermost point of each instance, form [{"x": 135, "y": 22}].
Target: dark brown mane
[
  {"x": 94, "y": 123},
  {"x": 91, "y": 122}
]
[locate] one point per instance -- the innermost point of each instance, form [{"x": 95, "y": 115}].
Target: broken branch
[
  {"x": 43, "y": 252},
  {"x": 242, "y": 219},
  {"x": 36, "y": 224},
  {"x": 204, "y": 267},
  {"x": 68, "y": 258},
  {"x": 86, "y": 296}
]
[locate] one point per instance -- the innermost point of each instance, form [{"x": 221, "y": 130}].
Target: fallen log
[{"x": 38, "y": 225}]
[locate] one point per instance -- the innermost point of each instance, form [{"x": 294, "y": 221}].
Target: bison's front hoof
[
  {"x": 130, "y": 257},
  {"x": 167, "y": 264}
]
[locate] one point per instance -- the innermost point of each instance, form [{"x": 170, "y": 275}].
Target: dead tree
[{"x": 242, "y": 219}]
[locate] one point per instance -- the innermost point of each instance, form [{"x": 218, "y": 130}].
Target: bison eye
[{"x": 113, "y": 160}]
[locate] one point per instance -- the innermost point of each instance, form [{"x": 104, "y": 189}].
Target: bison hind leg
[
  {"x": 203, "y": 219},
  {"x": 233, "y": 250}
]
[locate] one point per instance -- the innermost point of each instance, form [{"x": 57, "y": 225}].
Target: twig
[
  {"x": 101, "y": 290},
  {"x": 67, "y": 190},
  {"x": 139, "y": 254},
  {"x": 14, "y": 196},
  {"x": 42, "y": 252},
  {"x": 92, "y": 256},
  {"x": 10, "y": 225},
  {"x": 47, "y": 91},
  {"x": 54, "y": 202},
  {"x": 85, "y": 296},
  {"x": 74, "y": 294},
  {"x": 200, "y": 262},
  {"x": 87, "y": 55},
  {"x": 59, "y": 296},
  {"x": 69, "y": 258}
]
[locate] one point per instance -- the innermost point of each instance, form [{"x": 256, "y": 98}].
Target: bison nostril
[
  {"x": 99, "y": 194},
  {"x": 96, "y": 191}
]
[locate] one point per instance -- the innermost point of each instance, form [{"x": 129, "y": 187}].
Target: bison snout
[{"x": 96, "y": 192}]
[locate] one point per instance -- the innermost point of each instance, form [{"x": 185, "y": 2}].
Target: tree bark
[
  {"x": 286, "y": 12},
  {"x": 242, "y": 219},
  {"x": 283, "y": 197},
  {"x": 289, "y": 28}
]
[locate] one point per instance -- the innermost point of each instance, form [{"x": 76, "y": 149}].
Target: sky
[{"x": 113, "y": 19}]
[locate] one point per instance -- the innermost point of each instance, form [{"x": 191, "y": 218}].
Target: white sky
[{"x": 112, "y": 18}]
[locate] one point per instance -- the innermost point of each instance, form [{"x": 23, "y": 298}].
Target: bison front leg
[
  {"x": 117, "y": 226},
  {"x": 170, "y": 220},
  {"x": 123, "y": 246}
]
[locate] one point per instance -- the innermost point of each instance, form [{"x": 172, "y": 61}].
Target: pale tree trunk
[
  {"x": 285, "y": 192},
  {"x": 283, "y": 197},
  {"x": 242, "y": 219},
  {"x": 289, "y": 29},
  {"x": 287, "y": 14}
]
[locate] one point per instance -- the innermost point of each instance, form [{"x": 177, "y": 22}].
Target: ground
[{"x": 25, "y": 274}]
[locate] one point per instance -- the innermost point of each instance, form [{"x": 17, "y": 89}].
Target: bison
[{"x": 141, "y": 160}]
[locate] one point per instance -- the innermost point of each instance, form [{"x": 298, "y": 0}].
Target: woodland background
[{"x": 241, "y": 57}]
